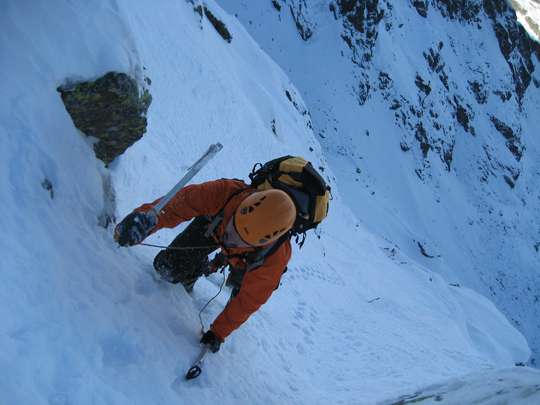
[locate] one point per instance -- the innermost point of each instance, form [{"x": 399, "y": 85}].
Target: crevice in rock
[
  {"x": 107, "y": 215},
  {"x": 218, "y": 25}
]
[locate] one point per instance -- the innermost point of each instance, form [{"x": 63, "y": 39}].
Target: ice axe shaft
[{"x": 193, "y": 170}]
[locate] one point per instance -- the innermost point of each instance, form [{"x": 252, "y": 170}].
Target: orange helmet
[{"x": 264, "y": 216}]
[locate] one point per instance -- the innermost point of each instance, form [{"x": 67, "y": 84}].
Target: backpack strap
[
  {"x": 260, "y": 255},
  {"x": 215, "y": 221},
  {"x": 257, "y": 257},
  {"x": 253, "y": 259}
]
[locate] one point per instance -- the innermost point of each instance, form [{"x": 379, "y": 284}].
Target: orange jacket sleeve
[
  {"x": 193, "y": 201},
  {"x": 257, "y": 287}
]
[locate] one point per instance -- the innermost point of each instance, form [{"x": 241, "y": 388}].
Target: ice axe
[
  {"x": 154, "y": 212},
  {"x": 193, "y": 170},
  {"x": 196, "y": 369}
]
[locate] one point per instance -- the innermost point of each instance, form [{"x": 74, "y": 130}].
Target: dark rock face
[
  {"x": 422, "y": 139},
  {"x": 464, "y": 10},
  {"x": 385, "y": 81},
  {"x": 111, "y": 109},
  {"x": 303, "y": 25},
  {"x": 362, "y": 18},
  {"x": 463, "y": 114},
  {"x": 513, "y": 141},
  {"x": 218, "y": 25},
  {"x": 513, "y": 41},
  {"x": 424, "y": 130},
  {"x": 479, "y": 92},
  {"x": 300, "y": 13},
  {"x": 436, "y": 64},
  {"x": 422, "y": 85},
  {"x": 361, "y": 14},
  {"x": 421, "y": 6}
]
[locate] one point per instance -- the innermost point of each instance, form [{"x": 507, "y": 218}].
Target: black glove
[
  {"x": 211, "y": 340},
  {"x": 218, "y": 262},
  {"x": 134, "y": 228}
]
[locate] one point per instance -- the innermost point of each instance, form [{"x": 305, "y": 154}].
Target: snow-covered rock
[{"x": 112, "y": 109}]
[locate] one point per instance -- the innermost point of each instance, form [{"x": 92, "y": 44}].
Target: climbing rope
[
  {"x": 179, "y": 247},
  {"x": 187, "y": 248},
  {"x": 208, "y": 303}
]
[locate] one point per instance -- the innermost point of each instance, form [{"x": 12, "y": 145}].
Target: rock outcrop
[{"x": 111, "y": 109}]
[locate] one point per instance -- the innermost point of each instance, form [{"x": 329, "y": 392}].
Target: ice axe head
[{"x": 193, "y": 372}]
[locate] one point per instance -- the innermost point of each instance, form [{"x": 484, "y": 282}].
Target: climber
[{"x": 250, "y": 226}]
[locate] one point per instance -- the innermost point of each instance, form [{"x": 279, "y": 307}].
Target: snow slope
[
  {"x": 528, "y": 12},
  {"x": 85, "y": 322},
  {"x": 516, "y": 386},
  {"x": 429, "y": 131}
]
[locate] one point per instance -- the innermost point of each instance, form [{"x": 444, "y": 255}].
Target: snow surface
[
  {"x": 85, "y": 322},
  {"x": 528, "y": 12},
  {"x": 516, "y": 386},
  {"x": 478, "y": 232}
]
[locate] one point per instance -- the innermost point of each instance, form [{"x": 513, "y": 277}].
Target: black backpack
[{"x": 297, "y": 177}]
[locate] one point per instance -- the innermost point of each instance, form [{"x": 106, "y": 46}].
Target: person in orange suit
[{"x": 250, "y": 227}]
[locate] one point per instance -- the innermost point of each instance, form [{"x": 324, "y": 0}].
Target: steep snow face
[
  {"x": 427, "y": 113},
  {"x": 85, "y": 322},
  {"x": 528, "y": 13}
]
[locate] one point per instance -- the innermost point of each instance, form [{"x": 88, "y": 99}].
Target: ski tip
[{"x": 193, "y": 372}]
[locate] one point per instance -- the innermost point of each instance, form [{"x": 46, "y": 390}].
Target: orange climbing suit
[{"x": 207, "y": 199}]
